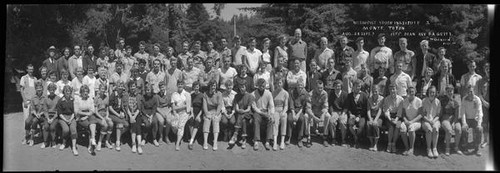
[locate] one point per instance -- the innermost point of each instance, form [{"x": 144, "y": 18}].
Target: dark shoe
[
  {"x": 477, "y": 152},
  {"x": 308, "y": 143},
  {"x": 92, "y": 150},
  {"x": 325, "y": 143},
  {"x": 190, "y": 146}
]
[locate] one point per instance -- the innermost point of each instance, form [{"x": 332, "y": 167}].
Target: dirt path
[{"x": 24, "y": 158}]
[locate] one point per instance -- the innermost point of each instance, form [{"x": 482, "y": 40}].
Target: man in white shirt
[
  {"x": 75, "y": 61},
  {"x": 380, "y": 56},
  {"x": 155, "y": 76},
  {"x": 360, "y": 56},
  {"x": 142, "y": 54},
  {"x": 470, "y": 78},
  {"x": 238, "y": 51},
  {"x": 323, "y": 54},
  {"x": 407, "y": 57},
  {"x": 252, "y": 57},
  {"x": 471, "y": 112},
  {"x": 401, "y": 80}
]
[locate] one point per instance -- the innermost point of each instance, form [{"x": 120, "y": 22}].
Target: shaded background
[{"x": 31, "y": 29}]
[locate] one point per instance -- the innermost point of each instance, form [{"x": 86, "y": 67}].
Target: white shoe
[
  {"x": 139, "y": 149},
  {"x": 75, "y": 152},
  {"x": 62, "y": 147},
  {"x": 156, "y": 143},
  {"x": 134, "y": 148},
  {"x": 99, "y": 146},
  {"x": 43, "y": 145},
  {"x": 143, "y": 142}
]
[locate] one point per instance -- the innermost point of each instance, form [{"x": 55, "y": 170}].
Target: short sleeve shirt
[
  {"x": 228, "y": 75},
  {"x": 411, "y": 107},
  {"x": 191, "y": 76},
  {"x": 431, "y": 109},
  {"x": 292, "y": 79}
]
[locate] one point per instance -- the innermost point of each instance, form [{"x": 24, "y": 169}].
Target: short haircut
[
  {"x": 357, "y": 82},
  {"x": 52, "y": 86},
  {"x": 142, "y": 43},
  {"x": 42, "y": 67},
  {"x": 450, "y": 86},
  {"x": 67, "y": 88},
  {"x": 359, "y": 39},
  {"x": 83, "y": 88},
  {"x": 195, "y": 83},
  {"x": 130, "y": 83},
  {"x": 64, "y": 71},
  {"x": 319, "y": 82},
  {"x": 392, "y": 85},
  {"x": 128, "y": 47},
  {"x": 266, "y": 39},
  {"x": 281, "y": 37},
  {"x": 157, "y": 45},
  {"x": 237, "y": 37},
  {"x": 52, "y": 73},
  {"x": 228, "y": 83},
  {"x": 337, "y": 82},
  {"x": 261, "y": 81},
  {"x": 211, "y": 83},
  {"x": 251, "y": 39},
  {"x": 439, "y": 49},
  {"x": 403, "y": 39},
  {"x": 141, "y": 61},
  {"x": 424, "y": 42}
]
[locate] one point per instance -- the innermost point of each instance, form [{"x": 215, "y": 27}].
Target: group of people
[{"x": 240, "y": 90}]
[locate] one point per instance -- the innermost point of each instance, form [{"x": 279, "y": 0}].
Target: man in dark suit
[
  {"x": 424, "y": 56},
  {"x": 50, "y": 62},
  {"x": 89, "y": 60}
]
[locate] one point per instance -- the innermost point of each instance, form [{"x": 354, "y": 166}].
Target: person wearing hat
[
  {"x": 343, "y": 51},
  {"x": 380, "y": 56},
  {"x": 360, "y": 55},
  {"x": 51, "y": 62}
]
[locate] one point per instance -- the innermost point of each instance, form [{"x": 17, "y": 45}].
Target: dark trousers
[
  {"x": 477, "y": 131},
  {"x": 242, "y": 122},
  {"x": 300, "y": 126},
  {"x": 257, "y": 121}
]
